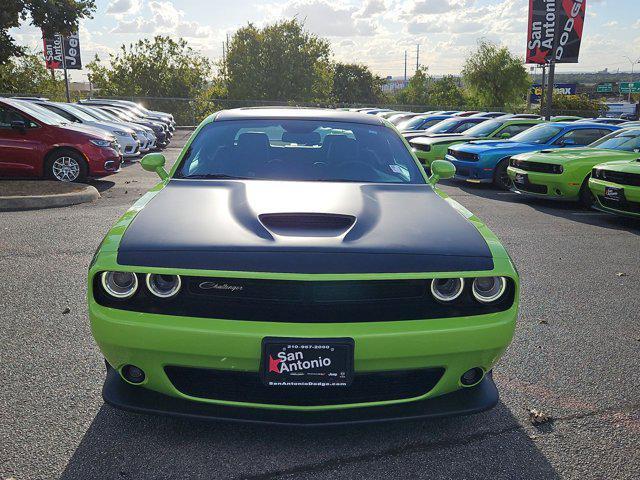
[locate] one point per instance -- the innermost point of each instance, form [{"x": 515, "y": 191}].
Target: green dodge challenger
[
  {"x": 298, "y": 266},
  {"x": 563, "y": 174},
  {"x": 435, "y": 147},
  {"x": 616, "y": 187}
]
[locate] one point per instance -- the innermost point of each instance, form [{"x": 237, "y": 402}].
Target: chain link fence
[{"x": 191, "y": 111}]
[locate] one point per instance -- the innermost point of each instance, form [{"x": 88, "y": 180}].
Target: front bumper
[
  {"x": 628, "y": 208},
  {"x": 472, "y": 172},
  {"x": 546, "y": 185},
  {"x": 119, "y": 394}
]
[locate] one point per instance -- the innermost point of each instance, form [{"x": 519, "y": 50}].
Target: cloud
[
  {"x": 610, "y": 24},
  {"x": 323, "y": 18},
  {"x": 431, "y": 7},
  {"x": 371, "y": 8},
  {"x": 122, "y": 7}
]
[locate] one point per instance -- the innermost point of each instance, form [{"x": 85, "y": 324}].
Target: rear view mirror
[
  {"x": 154, "y": 162},
  {"x": 441, "y": 170}
]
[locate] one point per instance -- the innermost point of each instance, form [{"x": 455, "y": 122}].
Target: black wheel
[
  {"x": 586, "y": 197},
  {"x": 501, "y": 178},
  {"x": 66, "y": 166}
]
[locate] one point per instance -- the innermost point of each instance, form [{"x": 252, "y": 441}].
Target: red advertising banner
[{"x": 555, "y": 30}]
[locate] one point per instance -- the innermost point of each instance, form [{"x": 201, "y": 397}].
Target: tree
[
  {"x": 161, "y": 67},
  {"x": 279, "y": 62},
  {"x": 28, "y": 75},
  {"x": 494, "y": 77},
  {"x": 415, "y": 92},
  {"x": 353, "y": 83},
  {"x": 580, "y": 105},
  {"x": 52, "y": 16},
  {"x": 446, "y": 92}
]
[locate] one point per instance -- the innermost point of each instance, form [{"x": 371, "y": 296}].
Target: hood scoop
[
  {"x": 547, "y": 151},
  {"x": 307, "y": 224}
]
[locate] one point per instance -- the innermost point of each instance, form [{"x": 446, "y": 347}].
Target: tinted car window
[
  {"x": 61, "y": 112},
  {"x": 515, "y": 129},
  {"x": 299, "y": 150},
  {"x": 463, "y": 127},
  {"x": 484, "y": 129},
  {"x": 538, "y": 135},
  {"x": 627, "y": 140},
  {"x": 581, "y": 137}
]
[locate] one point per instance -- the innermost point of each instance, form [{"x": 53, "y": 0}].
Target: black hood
[{"x": 302, "y": 227}]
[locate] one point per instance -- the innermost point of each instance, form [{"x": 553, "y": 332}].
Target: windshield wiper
[{"x": 214, "y": 176}]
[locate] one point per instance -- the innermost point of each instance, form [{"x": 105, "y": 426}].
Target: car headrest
[{"x": 254, "y": 141}]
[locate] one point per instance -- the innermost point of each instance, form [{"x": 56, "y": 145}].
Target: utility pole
[
  {"x": 405, "y": 68},
  {"x": 64, "y": 67},
  {"x": 542, "y": 87},
  {"x": 552, "y": 72},
  {"x": 418, "y": 58},
  {"x": 631, "y": 79}
]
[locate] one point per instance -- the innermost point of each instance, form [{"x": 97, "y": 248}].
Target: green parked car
[
  {"x": 563, "y": 174},
  {"x": 616, "y": 187},
  {"x": 428, "y": 149},
  {"x": 298, "y": 266}
]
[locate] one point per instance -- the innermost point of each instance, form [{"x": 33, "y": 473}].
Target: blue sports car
[{"x": 486, "y": 161}]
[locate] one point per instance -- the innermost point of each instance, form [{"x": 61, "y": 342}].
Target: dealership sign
[
  {"x": 53, "y": 48},
  {"x": 558, "y": 88},
  {"x": 555, "y": 30}
]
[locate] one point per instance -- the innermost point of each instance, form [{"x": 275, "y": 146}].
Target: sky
[{"x": 371, "y": 32}]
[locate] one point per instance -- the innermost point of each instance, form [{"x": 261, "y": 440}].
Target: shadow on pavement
[
  {"x": 493, "y": 445},
  {"x": 567, "y": 210}
]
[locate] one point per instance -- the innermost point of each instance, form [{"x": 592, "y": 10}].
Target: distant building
[{"x": 394, "y": 84}]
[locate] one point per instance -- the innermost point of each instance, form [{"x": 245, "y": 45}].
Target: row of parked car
[
  {"x": 594, "y": 161},
  {"x": 72, "y": 141}
]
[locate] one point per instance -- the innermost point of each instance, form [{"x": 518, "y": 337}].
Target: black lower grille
[
  {"x": 464, "y": 156},
  {"x": 532, "y": 187},
  {"x": 624, "y": 206},
  {"x": 246, "y": 387}
]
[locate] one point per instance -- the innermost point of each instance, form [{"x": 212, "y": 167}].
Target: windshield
[
  {"x": 444, "y": 126},
  {"x": 538, "y": 134},
  {"x": 121, "y": 114},
  {"x": 77, "y": 112},
  {"x": 299, "y": 150},
  {"x": 42, "y": 114},
  {"x": 484, "y": 129},
  {"x": 412, "y": 123},
  {"x": 627, "y": 140},
  {"x": 97, "y": 114}
]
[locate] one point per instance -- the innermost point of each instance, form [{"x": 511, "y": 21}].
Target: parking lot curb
[{"x": 36, "y": 202}]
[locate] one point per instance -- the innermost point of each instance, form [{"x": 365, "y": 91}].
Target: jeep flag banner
[
  {"x": 53, "y": 52},
  {"x": 555, "y": 30}
]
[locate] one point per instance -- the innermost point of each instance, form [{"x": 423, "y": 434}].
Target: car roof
[{"x": 296, "y": 113}]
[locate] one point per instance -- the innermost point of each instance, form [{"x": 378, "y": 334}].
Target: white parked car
[
  {"x": 145, "y": 134},
  {"x": 126, "y": 137}
]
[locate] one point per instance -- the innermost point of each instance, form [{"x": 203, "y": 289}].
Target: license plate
[
  {"x": 324, "y": 362},
  {"x": 614, "y": 193},
  {"x": 520, "y": 178}
]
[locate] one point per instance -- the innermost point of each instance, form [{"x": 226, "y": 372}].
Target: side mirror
[
  {"x": 154, "y": 162},
  {"x": 19, "y": 124},
  {"x": 505, "y": 135},
  {"x": 441, "y": 170}
]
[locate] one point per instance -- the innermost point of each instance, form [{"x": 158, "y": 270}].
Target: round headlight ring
[
  {"x": 166, "y": 292},
  {"x": 119, "y": 284},
  {"x": 492, "y": 294},
  {"x": 455, "y": 292}
]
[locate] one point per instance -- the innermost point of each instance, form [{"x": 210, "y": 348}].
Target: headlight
[
  {"x": 120, "y": 284},
  {"x": 163, "y": 286},
  {"x": 101, "y": 143},
  {"x": 447, "y": 289},
  {"x": 120, "y": 133},
  {"x": 488, "y": 289}
]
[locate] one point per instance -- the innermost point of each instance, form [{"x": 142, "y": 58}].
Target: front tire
[
  {"x": 501, "y": 178},
  {"x": 66, "y": 166},
  {"x": 586, "y": 197}
]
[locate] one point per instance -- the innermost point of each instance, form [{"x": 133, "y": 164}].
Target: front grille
[
  {"x": 464, "y": 156},
  {"x": 536, "y": 166},
  {"x": 621, "y": 178},
  {"x": 246, "y": 387},
  {"x": 624, "y": 206},
  {"x": 304, "y": 301},
  {"x": 532, "y": 187}
]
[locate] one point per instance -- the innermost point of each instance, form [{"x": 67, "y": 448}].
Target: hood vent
[{"x": 307, "y": 224}]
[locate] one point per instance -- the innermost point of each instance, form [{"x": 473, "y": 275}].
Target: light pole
[{"x": 633, "y": 63}]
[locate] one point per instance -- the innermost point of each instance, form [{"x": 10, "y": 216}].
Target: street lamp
[{"x": 633, "y": 63}]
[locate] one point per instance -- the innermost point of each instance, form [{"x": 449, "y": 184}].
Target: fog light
[
  {"x": 133, "y": 374},
  {"x": 471, "y": 377}
]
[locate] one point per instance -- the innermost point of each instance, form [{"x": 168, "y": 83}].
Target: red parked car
[{"x": 37, "y": 143}]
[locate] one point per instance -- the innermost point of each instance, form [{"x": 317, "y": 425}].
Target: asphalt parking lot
[{"x": 574, "y": 358}]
